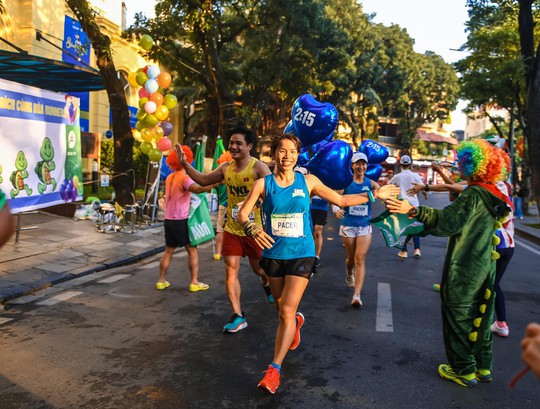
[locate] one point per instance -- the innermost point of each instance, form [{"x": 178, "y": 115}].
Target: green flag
[
  {"x": 218, "y": 152},
  {"x": 396, "y": 228},
  {"x": 198, "y": 160},
  {"x": 221, "y": 190}
]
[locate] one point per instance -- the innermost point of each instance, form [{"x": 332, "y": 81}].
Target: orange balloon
[
  {"x": 157, "y": 97},
  {"x": 164, "y": 79}
]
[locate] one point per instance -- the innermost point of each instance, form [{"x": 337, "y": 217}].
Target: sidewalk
[{"x": 61, "y": 249}]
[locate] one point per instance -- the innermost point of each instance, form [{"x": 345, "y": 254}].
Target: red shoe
[
  {"x": 299, "y": 322},
  {"x": 270, "y": 382}
]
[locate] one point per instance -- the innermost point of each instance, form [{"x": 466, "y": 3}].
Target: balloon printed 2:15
[{"x": 313, "y": 121}]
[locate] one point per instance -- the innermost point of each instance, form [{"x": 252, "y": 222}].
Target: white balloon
[
  {"x": 153, "y": 71},
  {"x": 151, "y": 86}
]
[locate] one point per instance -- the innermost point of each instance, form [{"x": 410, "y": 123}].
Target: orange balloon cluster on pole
[{"x": 152, "y": 128}]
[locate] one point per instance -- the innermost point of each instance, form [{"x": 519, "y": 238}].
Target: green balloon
[
  {"x": 151, "y": 120},
  {"x": 142, "y": 102},
  {"x": 155, "y": 155},
  {"x": 139, "y": 126},
  {"x": 170, "y": 101},
  {"x": 140, "y": 115},
  {"x": 141, "y": 78},
  {"x": 146, "y": 42},
  {"x": 145, "y": 147}
]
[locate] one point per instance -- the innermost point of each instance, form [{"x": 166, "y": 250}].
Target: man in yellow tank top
[{"x": 238, "y": 175}]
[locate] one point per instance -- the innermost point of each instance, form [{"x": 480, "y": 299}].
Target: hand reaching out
[
  {"x": 416, "y": 188},
  {"x": 398, "y": 206},
  {"x": 387, "y": 191}
]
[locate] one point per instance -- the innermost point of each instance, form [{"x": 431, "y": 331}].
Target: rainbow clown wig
[
  {"x": 174, "y": 162},
  {"x": 479, "y": 161}
]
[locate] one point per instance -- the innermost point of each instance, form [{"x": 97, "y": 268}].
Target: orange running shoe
[
  {"x": 270, "y": 382},
  {"x": 299, "y": 322}
]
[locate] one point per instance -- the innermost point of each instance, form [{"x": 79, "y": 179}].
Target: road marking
[
  {"x": 114, "y": 278},
  {"x": 60, "y": 297},
  {"x": 384, "y": 309},
  {"x": 4, "y": 320},
  {"x": 535, "y": 251}
]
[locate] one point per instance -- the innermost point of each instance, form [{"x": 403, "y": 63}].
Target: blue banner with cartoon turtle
[{"x": 40, "y": 158}]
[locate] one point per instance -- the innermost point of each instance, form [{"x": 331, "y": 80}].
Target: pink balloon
[
  {"x": 150, "y": 107},
  {"x": 143, "y": 93},
  {"x": 164, "y": 144}
]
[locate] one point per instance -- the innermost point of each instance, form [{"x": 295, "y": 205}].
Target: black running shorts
[
  {"x": 319, "y": 217},
  {"x": 301, "y": 267},
  {"x": 176, "y": 233}
]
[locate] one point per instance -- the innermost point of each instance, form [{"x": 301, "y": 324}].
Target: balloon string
[{"x": 517, "y": 377}]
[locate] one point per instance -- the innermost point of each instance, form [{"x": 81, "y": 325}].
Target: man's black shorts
[{"x": 319, "y": 217}]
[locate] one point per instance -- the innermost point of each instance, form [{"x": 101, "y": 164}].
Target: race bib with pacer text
[{"x": 288, "y": 225}]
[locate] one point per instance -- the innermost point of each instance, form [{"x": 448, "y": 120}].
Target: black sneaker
[{"x": 317, "y": 262}]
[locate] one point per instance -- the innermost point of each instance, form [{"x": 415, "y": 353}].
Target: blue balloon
[
  {"x": 289, "y": 128},
  {"x": 303, "y": 158},
  {"x": 374, "y": 171},
  {"x": 313, "y": 121},
  {"x": 332, "y": 164},
  {"x": 317, "y": 146},
  {"x": 375, "y": 152}
]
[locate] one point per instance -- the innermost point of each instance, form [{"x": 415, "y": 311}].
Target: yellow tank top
[{"x": 238, "y": 186}]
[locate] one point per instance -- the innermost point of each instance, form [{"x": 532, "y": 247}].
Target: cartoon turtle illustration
[
  {"x": 17, "y": 176},
  {"x": 44, "y": 167}
]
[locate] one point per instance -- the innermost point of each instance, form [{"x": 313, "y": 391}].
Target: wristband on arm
[
  {"x": 370, "y": 196},
  {"x": 250, "y": 229}
]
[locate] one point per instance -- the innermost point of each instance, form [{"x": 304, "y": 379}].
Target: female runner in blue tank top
[
  {"x": 355, "y": 228},
  {"x": 287, "y": 243}
]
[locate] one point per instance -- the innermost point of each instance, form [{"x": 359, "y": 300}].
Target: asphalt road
[{"x": 116, "y": 342}]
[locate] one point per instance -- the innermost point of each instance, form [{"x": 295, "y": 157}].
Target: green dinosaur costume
[{"x": 468, "y": 275}]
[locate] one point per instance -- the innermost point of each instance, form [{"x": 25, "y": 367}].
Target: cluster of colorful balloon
[{"x": 153, "y": 128}]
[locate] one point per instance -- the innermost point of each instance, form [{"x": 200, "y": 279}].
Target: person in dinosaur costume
[
  {"x": 18, "y": 176},
  {"x": 467, "y": 295},
  {"x": 45, "y": 166}
]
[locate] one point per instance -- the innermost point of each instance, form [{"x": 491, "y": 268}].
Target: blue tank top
[
  {"x": 287, "y": 219},
  {"x": 357, "y": 216}
]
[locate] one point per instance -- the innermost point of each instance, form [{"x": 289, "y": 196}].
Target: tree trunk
[
  {"x": 533, "y": 128},
  {"x": 124, "y": 176},
  {"x": 532, "y": 114}
]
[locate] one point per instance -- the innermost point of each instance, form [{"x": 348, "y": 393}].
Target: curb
[
  {"x": 527, "y": 236},
  {"x": 20, "y": 290}
]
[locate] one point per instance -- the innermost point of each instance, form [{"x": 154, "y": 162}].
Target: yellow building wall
[{"x": 23, "y": 17}]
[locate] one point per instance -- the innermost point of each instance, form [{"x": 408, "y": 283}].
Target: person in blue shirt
[
  {"x": 288, "y": 246},
  {"x": 355, "y": 228}
]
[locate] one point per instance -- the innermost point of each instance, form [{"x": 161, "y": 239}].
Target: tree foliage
[
  {"x": 247, "y": 61},
  {"x": 502, "y": 68}
]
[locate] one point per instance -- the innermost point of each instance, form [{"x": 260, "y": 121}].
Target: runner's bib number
[
  {"x": 358, "y": 210},
  {"x": 234, "y": 213},
  {"x": 288, "y": 225}
]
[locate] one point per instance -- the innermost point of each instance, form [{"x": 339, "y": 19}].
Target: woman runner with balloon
[{"x": 288, "y": 246}]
